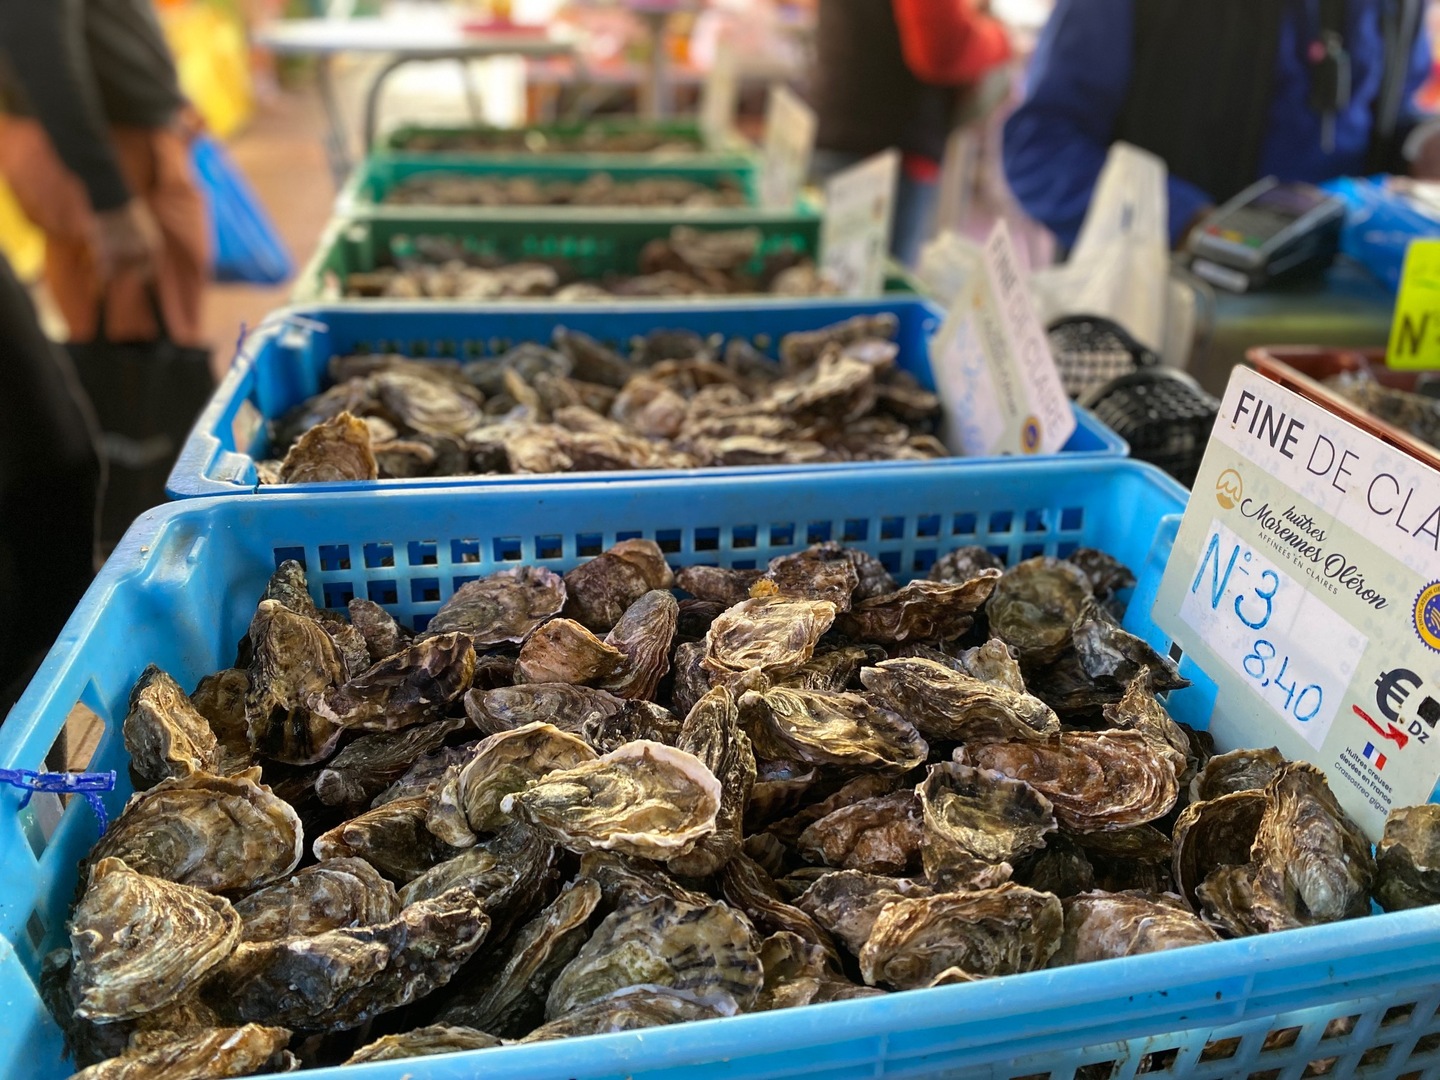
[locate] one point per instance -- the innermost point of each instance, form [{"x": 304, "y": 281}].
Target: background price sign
[
  {"x": 1415, "y": 333},
  {"x": 855, "y": 235},
  {"x": 719, "y": 97},
  {"x": 789, "y": 143},
  {"x": 1305, "y": 582}
]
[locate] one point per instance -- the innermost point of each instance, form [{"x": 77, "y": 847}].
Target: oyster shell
[
  {"x": 880, "y": 835},
  {"x": 1113, "y": 658},
  {"x": 645, "y": 799},
  {"x": 948, "y": 706},
  {"x": 1407, "y": 859},
  {"x": 970, "y": 814},
  {"x": 569, "y": 708},
  {"x": 424, "y": 778},
  {"x": 920, "y": 611},
  {"x": 416, "y": 684},
  {"x": 1097, "y": 780},
  {"x": 774, "y": 634},
  {"x": 503, "y": 607},
  {"x": 599, "y": 592},
  {"x": 334, "y": 449},
  {"x": 365, "y": 767},
  {"x": 778, "y": 790},
  {"x": 469, "y": 800},
  {"x": 512, "y": 1002},
  {"x": 835, "y": 669},
  {"x": 220, "y": 698},
  {"x": 293, "y": 661},
  {"x": 391, "y": 837},
  {"x": 206, "y": 1055},
  {"x": 512, "y": 873},
  {"x": 1035, "y": 606},
  {"x": 963, "y": 564},
  {"x": 383, "y": 635},
  {"x": 818, "y": 573},
  {"x": 630, "y": 1009},
  {"x": 1102, "y": 926},
  {"x": 1239, "y": 770},
  {"x": 1106, "y": 574},
  {"x": 164, "y": 732},
  {"x": 712, "y": 733},
  {"x": 749, "y": 889},
  {"x": 827, "y": 728},
  {"x": 1060, "y": 867},
  {"x": 140, "y": 943},
  {"x": 1139, "y": 710},
  {"x": 341, "y": 978},
  {"x": 563, "y": 651},
  {"x": 644, "y": 635},
  {"x": 707, "y": 951},
  {"x": 223, "y": 834},
  {"x": 1213, "y": 834},
  {"x": 636, "y": 720},
  {"x": 801, "y": 349},
  {"x": 998, "y": 931},
  {"x": 423, "y": 1042},
  {"x": 330, "y": 895},
  {"x": 728, "y": 587},
  {"x": 993, "y": 662},
  {"x": 629, "y": 883},
  {"x": 867, "y": 785}
]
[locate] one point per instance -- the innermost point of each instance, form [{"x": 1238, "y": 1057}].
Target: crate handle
[{"x": 89, "y": 784}]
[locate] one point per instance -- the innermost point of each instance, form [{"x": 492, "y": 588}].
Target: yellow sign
[{"x": 1415, "y": 333}]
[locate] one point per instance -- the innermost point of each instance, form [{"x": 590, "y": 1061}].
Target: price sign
[
  {"x": 1415, "y": 333},
  {"x": 855, "y": 235},
  {"x": 1305, "y": 582},
  {"x": 789, "y": 143},
  {"x": 717, "y": 101},
  {"x": 994, "y": 370}
]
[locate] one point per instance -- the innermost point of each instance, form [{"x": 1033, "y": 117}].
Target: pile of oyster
[
  {"x": 595, "y": 140},
  {"x": 677, "y": 401},
  {"x": 572, "y": 805},
  {"x": 688, "y": 262},
  {"x": 597, "y": 189}
]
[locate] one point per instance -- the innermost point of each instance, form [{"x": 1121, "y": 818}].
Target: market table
[{"x": 405, "y": 41}]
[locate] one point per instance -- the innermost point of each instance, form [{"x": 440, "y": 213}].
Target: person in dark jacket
[
  {"x": 1225, "y": 91},
  {"x": 891, "y": 73}
]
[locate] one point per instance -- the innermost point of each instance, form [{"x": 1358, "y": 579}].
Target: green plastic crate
[
  {"x": 592, "y": 246},
  {"x": 685, "y": 132}
]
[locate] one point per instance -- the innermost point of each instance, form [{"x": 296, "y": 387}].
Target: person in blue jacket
[{"x": 1226, "y": 92}]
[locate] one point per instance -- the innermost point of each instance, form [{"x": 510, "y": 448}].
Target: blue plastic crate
[
  {"x": 285, "y": 360},
  {"x": 181, "y": 588}
]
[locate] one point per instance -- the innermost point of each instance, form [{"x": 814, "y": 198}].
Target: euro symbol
[{"x": 1391, "y": 691}]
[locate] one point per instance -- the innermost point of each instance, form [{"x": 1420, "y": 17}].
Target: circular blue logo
[{"x": 1427, "y": 615}]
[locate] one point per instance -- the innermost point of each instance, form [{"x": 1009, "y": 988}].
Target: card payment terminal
[{"x": 1268, "y": 231}]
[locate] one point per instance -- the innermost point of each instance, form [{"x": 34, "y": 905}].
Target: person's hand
[{"x": 127, "y": 240}]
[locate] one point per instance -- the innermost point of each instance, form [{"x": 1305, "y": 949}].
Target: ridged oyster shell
[
  {"x": 211, "y": 1054},
  {"x": 330, "y": 895},
  {"x": 164, "y": 733}
]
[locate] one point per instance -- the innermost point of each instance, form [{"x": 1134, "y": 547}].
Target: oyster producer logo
[
  {"x": 1030, "y": 433},
  {"x": 1229, "y": 489},
  {"x": 1427, "y": 615}
]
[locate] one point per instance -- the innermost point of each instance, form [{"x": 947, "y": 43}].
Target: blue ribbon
[{"x": 89, "y": 784}]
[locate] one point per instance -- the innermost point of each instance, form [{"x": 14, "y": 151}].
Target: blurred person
[
  {"x": 49, "y": 475},
  {"x": 96, "y": 150},
  {"x": 1226, "y": 92},
  {"x": 894, "y": 73}
]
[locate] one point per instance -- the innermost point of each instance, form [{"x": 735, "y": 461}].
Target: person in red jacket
[{"x": 892, "y": 73}]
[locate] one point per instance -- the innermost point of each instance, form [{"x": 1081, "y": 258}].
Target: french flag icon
[{"x": 1374, "y": 756}]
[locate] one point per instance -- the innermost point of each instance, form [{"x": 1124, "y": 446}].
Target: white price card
[
  {"x": 1305, "y": 583},
  {"x": 789, "y": 144},
  {"x": 993, "y": 367},
  {"x": 719, "y": 97},
  {"x": 855, "y": 233}
]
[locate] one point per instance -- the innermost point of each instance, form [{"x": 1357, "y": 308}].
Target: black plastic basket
[
  {"x": 1091, "y": 351},
  {"x": 1162, "y": 413}
]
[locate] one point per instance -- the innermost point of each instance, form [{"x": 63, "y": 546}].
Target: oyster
[
  {"x": 774, "y": 634},
  {"x": 707, "y": 951},
  {"x": 643, "y": 635},
  {"x": 563, "y": 651},
  {"x": 1139, "y": 710},
  {"x": 164, "y": 733},
  {"x": 998, "y": 931},
  {"x": 879, "y": 835},
  {"x": 503, "y": 607},
  {"x": 636, "y": 720},
  {"x": 818, "y": 573},
  {"x": 512, "y": 1002},
  {"x": 469, "y": 800},
  {"x": 1407, "y": 859},
  {"x": 1035, "y": 606},
  {"x": 801, "y": 349},
  {"x": 822, "y": 727},
  {"x": 1112, "y": 658},
  {"x": 947, "y": 705},
  {"x": 1097, "y": 780},
  {"x": 383, "y": 635},
  {"x": 1214, "y": 834},
  {"x": 365, "y": 767},
  {"x": 426, "y": 776},
  {"x": 293, "y": 661},
  {"x": 1106, "y": 574},
  {"x": 341, "y": 978},
  {"x": 645, "y": 799},
  {"x": 993, "y": 662},
  {"x": 391, "y": 837},
  {"x": 1239, "y": 770},
  {"x": 631, "y": 1009},
  {"x": 569, "y": 708},
  {"x": 599, "y": 592},
  {"x": 140, "y": 943},
  {"x": 834, "y": 669},
  {"x": 728, "y": 587},
  {"x": 1102, "y": 926},
  {"x": 1060, "y": 867},
  {"x": 426, "y": 404},
  {"x": 210, "y": 1054},
  {"x": 423, "y": 1042},
  {"x": 629, "y": 883},
  {"x": 920, "y": 611},
  {"x": 330, "y": 895},
  {"x": 970, "y": 814},
  {"x": 867, "y": 785},
  {"x": 779, "y": 787},
  {"x": 220, "y": 698},
  {"x": 749, "y": 889},
  {"x": 712, "y": 733},
  {"x": 334, "y": 449},
  {"x": 963, "y": 564},
  {"x": 512, "y": 873},
  {"x": 416, "y": 684},
  {"x": 225, "y": 834}
]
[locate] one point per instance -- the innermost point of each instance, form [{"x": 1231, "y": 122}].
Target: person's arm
[
  {"x": 1416, "y": 148},
  {"x": 949, "y": 42},
  {"x": 1056, "y": 143}
]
